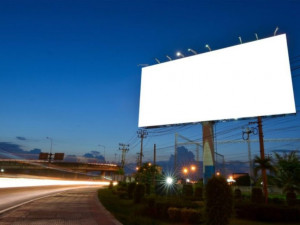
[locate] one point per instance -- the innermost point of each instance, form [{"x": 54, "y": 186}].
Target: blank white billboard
[{"x": 247, "y": 80}]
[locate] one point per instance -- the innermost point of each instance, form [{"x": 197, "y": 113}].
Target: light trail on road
[{"x": 30, "y": 182}]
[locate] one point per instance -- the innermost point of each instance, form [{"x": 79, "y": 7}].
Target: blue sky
[{"x": 68, "y": 69}]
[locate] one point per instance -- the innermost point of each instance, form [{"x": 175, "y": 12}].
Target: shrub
[
  {"x": 237, "y": 194},
  {"x": 187, "y": 190},
  {"x": 198, "y": 193},
  {"x": 122, "y": 194},
  {"x": 267, "y": 212},
  {"x": 139, "y": 193},
  {"x": 174, "y": 213},
  {"x": 189, "y": 215},
  {"x": 219, "y": 201},
  {"x": 291, "y": 198},
  {"x": 147, "y": 186},
  {"x": 130, "y": 189},
  {"x": 257, "y": 195}
]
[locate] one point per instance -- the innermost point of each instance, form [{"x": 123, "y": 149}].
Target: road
[{"x": 51, "y": 205}]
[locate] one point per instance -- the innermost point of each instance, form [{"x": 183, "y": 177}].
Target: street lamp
[{"x": 104, "y": 151}]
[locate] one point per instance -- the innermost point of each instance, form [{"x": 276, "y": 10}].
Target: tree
[
  {"x": 260, "y": 164},
  {"x": 287, "y": 172},
  {"x": 146, "y": 173}
]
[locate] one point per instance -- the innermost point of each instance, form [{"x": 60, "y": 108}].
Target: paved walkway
[{"x": 74, "y": 207}]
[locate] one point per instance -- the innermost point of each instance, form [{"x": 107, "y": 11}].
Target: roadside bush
[
  {"x": 139, "y": 193},
  {"x": 147, "y": 186},
  {"x": 237, "y": 194},
  {"x": 219, "y": 201},
  {"x": 291, "y": 198},
  {"x": 189, "y": 215},
  {"x": 267, "y": 212},
  {"x": 122, "y": 194},
  {"x": 187, "y": 190},
  {"x": 174, "y": 213},
  {"x": 198, "y": 193},
  {"x": 130, "y": 189},
  {"x": 257, "y": 195}
]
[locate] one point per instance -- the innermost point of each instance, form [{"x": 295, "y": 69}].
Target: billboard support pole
[{"x": 208, "y": 150}]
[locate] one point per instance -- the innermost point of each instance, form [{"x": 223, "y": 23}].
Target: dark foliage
[
  {"x": 219, "y": 201},
  {"x": 237, "y": 194},
  {"x": 267, "y": 213},
  {"x": 130, "y": 189},
  {"x": 139, "y": 193},
  {"x": 257, "y": 195},
  {"x": 198, "y": 193},
  {"x": 291, "y": 198},
  {"x": 243, "y": 181},
  {"x": 187, "y": 190}
]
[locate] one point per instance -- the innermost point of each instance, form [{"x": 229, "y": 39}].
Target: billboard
[{"x": 246, "y": 80}]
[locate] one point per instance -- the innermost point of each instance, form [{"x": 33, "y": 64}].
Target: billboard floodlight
[
  {"x": 256, "y": 36},
  {"x": 275, "y": 32},
  {"x": 169, "y": 58},
  {"x": 193, "y": 51},
  {"x": 157, "y": 60},
  {"x": 207, "y": 46},
  {"x": 179, "y": 54},
  {"x": 240, "y": 38}
]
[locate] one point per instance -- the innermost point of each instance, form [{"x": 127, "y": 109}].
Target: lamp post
[
  {"x": 50, "y": 155},
  {"x": 104, "y": 151}
]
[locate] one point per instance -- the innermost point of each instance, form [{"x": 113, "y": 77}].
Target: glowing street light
[
  {"x": 185, "y": 170},
  {"x": 193, "y": 168},
  {"x": 218, "y": 173},
  {"x": 169, "y": 181}
]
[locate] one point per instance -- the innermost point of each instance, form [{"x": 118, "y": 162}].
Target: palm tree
[
  {"x": 288, "y": 172},
  {"x": 263, "y": 164}
]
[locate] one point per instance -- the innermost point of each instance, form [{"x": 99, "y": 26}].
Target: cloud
[{"x": 21, "y": 138}]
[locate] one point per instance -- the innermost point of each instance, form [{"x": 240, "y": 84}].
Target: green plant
[
  {"x": 198, "y": 193},
  {"x": 237, "y": 194},
  {"x": 219, "y": 201},
  {"x": 257, "y": 195},
  {"x": 139, "y": 193},
  {"x": 187, "y": 190},
  {"x": 174, "y": 213},
  {"x": 189, "y": 215},
  {"x": 130, "y": 189},
  {"x": 291, "y": 198}
]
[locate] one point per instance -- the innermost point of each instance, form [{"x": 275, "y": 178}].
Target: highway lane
[
  {"x": 12, "y": 197},
  {"x": 76, "y": 206}
]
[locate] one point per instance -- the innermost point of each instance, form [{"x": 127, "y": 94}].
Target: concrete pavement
[{"x": 74, "y": 207}]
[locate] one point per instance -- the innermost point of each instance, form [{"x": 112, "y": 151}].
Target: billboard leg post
[{"x": 208, "y": 151}]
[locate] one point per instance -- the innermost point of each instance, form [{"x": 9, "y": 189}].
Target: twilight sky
[{"x": 69, "y": 69}]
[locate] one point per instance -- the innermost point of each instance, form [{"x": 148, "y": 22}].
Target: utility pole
[
  {"x": 142, "y": 134},
  {"x": 246, "y": 137},
  {"x": 262, "y": 156},
  {"x": 175, "y": 152},
  {"x": 124, "y": 148},
  {"x": 154, "y": 155}
]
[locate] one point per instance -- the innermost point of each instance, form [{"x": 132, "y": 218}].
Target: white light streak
[{"x": 26, "y": 182}]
